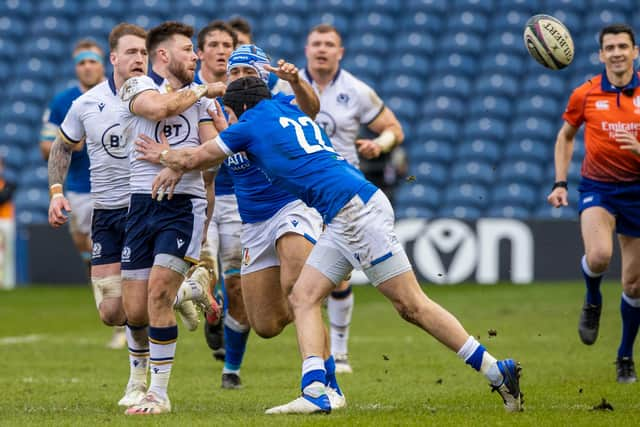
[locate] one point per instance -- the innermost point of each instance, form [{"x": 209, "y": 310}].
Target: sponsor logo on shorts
[
  {"x": 126, "y": 254},
  {"x": 294, "y": 222},
  {"x": 96, "y": 251},
  {"x": 180, "y": 243},
  {"x": 587, "y": 199}
]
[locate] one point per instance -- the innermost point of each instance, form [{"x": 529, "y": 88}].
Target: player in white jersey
[
  {"x": 346, "y": 103},
  {"x": 164, "y": 235},
  {"x": 94, "y": 118}
]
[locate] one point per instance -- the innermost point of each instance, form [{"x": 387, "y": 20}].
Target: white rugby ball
[{"x": 548, "y": 41}]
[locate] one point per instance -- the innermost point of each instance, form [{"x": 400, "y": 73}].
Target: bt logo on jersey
[{"x": 175, "y": 129}]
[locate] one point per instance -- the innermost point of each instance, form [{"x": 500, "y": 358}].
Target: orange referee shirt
[{"x": 604, "y": 109}]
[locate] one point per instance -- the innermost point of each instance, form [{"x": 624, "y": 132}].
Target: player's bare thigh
[
  {"x": 293, "y": 250},
  {"x": 597, "y": 226},
  {"x": 265, "y": 302}
]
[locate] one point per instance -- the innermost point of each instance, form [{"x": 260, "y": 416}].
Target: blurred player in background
[
  {"x": 345, "y": 104},
  {"x": 227, "y": 339},
  {"x": 242, "y": 29},
  {"x": 608, "y": 105},
  {"x": 88, "y": 57},
  {"x": 297, "y": 155},
  {"x": 94, "y": 121},
  {"x": 164, "y": 235}
]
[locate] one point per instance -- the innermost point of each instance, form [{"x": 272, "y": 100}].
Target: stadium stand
[{"x": 480, "y": 135}]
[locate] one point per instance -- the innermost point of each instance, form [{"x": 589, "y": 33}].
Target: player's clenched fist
[
  {"x": 57, "y": 206},
  {"x": 216, "y": 89},
  {"x": 285, "y": 70},
  {"x": 558, "y": 197}
]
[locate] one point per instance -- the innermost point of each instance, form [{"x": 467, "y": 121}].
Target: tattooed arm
[{"x": 59, "y": 160}]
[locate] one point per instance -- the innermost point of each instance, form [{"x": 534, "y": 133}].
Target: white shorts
[
  {"x": 223, "y": 235},
  {"x": 361, "y": 236},
  {"x": 81, "y": 210},
  {"x": 259, "y": 239}
]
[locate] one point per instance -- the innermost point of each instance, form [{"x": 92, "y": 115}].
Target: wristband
[
  {"x": 560, "y": 184},
  {"x": 199, "y": 90},
  {"x": 55, "y": 190},
  {"x": 386, "y": 141},
  {"x": 163, "y": 154}
]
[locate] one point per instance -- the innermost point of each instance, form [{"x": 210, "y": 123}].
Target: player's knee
[
  {"x": 631, "y": 286},
  {"x": 272, "y": 327},
  {"x": 598, "y": 260},
  {"x": 112, "y": 315}
]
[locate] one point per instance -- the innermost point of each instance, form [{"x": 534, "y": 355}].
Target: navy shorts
[
  {"x": 621, "y": 199},
  {"x": 173, "y": 227},
  {"x": 107, "y": 234}
]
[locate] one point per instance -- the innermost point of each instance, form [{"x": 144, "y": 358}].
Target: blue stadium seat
[
  {"x": 46, "y": 47},
  {"x": 578, "y": 80},
  {"x": 460, "y": 212},
  {"x": 428, "y": 173},
  {"x": 528, "y": 6},
  {"x": 244, "y": 8},
  {"x": 8, "y": 48},
  {"x": 621, "y": 6},
  {"x": 65, "y": 8},
  {"x": 422, "y": 22},
  {"x": 455, "y": 63},
  {"x": 529, "y": 150},
  {"x": 338, "y": 20},
  {"x": 146, "y": 20},
  {"x": 510, "y": 20},
  {"x": 5, "y": 71},
  {"x": 410, "y": 212},
  {"x": 430, "y": 151},
  {"x": 534, "y": 128},
  {"x": 473, "y": 171},
  {"x": 32, "y": 199},
  {"x": 51, "y": 26},
  {"x": 25, "y": 218},
  {"x": 485, "y": 127},
  {"x": 467, "y": 21},
  {"x": 22, "y": 112},
  {"x": 467, "y": 194},
  {"x": 368, "y": 41},
  {"x": 569, "y": 13},
  {"x": 450, "y": 85},
  {"x": 115, "y": 9},
  {"x": 462, "y": 42},
  {"x": 508, "y": 211},
  {"x": 291, "y": 7},
  {"x": 18, "y": 134},
  {"x": 36, "y": 178},
  {"x": 12, "y": 9},
  {"x": 507, "y": 42},
  {"x": 587, "y": 64},
  {"x": 34, "y": 156},
  {"x": 12, "y": 156},
  {"x": 491, "y": 106},
  {"x": 546, "y": 84},
  {"x": 279, "y": 46},
  {"x": 285, "y": 23},
  {"x": 447, "y": 107},
  {"x": 403, "y": 107},
  {"x": 360, "y": 63},
  {"x": 335, "y": 6},
  {"x": 548, "y": 212},
  {"x": 374, "y": 22},
  {"x": 521, "y": 172},
  {"x": 29, "y": 91},
  {"x": 387, "y": 7},
  {"x": 406, "y": 62},
  {"x": 402, "y": 85},
  {"x": 9, "y": 174},
  {"x": 440, "y": 129},
  {"x": 598, "y": 18},
  {"x": 418, "y": 195},
  {"x": 413, "y": 42},
  {"x": 504, "y": 63},
  {"x": 427, "y": 6},
  {"x": 150, "y": 7},
  {"x": 97, "y": 26},
  {"x": 478, "y": 149},
  {"x": 474, "y": 6},
  {"x": 496, "y": 85},
  {"x": 540, "y": 106},
  {"x": 515, "y": 194},
  {"x": 13, "y": 27}
]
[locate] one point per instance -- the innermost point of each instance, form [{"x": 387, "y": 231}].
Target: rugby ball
[{"x": 548, "y": 41}]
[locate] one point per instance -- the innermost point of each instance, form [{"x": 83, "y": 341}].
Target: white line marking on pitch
[{"x": 20, "y": 339}]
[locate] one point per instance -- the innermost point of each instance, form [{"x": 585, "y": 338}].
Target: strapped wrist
[
  {"x": 163, "y": 157},
  {"x": 386, "y": 141},
  {"x": 55, "y": 190},
  {"x": 560, "y": 184},
  {"x": 199, "y": 90}
]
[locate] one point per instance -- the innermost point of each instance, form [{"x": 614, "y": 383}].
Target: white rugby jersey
[
  {"x": 181, "y": 132},
  {"x": 345, "y": 104},
  {"x": 95, "y": 116}
]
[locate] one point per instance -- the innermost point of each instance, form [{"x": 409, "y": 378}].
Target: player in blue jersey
[
  {"x": 296, "y": 154},
  {"x": 88, "y": 57}
]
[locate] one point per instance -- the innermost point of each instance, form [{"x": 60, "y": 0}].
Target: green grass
[{"x": 66, "y": 376}]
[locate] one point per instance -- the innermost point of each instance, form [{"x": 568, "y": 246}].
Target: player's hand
[
  {"x": 558, "y": 197},
  {"x": 165, "y": 183},
  {"x": 627, "y": 141},
  {"x": 216, "y": 89},
  {"x": 368, "y": 149},
  {"x": 285, "y": 70},
  {"x": 219, "y": 121},
  {"x": 57, "y": 206},
  {"x": 150, "y": 149}
]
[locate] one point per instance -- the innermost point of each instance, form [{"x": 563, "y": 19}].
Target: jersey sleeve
[
  {"x": 204, "y": 105},
  {"x": 369, "y": 102},
  {"x": 574, "y": 113},
  {"x": 134, "y": 87},
  {"x": 72, "y": 128},
  {"x": 235, "y": 138}
]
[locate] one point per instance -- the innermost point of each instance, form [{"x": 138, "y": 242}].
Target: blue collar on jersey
[
  {"x": 608, "y": 87},
  {"x": 157, "y": 78},
  {"x": 112, "y": 85},
  {"x": 308, "y": 74}
]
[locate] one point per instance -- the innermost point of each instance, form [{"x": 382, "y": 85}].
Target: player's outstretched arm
[
  {"x": 562, "y": 157},
  {"x": 185, "y": 159},
  {"x": 628, "y": 142},
  {"x": 156, "y": 106},
  {"x": 59, "y": 160},
  {"x": 306, "y": 97}
]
